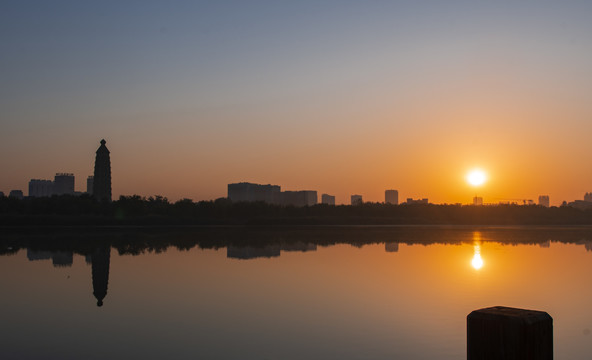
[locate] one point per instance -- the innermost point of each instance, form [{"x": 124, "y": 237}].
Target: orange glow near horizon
[{"x": 442, "y": 178}]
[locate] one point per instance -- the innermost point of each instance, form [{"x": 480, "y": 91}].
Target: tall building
[
  {"x": 328, "y": 199},
  {"x": 270, "y": 194},
  {"x": 17, "y": 194},
  {"x": 89, "y": 184},
  {"x": 356, "y": 200},
  {"x": 588, "y": 197},
  {"x": 102, "y": 177},
  {"x": 391, "y": 197},
  {"x": 544, "y": 200},
  {"x": 299, "y": 198},
  {"x": 245, "y": 191},
  {"x": 477, "y": 201},
  {"x": 40, "y": 188},
  {"x": 63, "y": 184},
  {"x": 1, "y": 194}
]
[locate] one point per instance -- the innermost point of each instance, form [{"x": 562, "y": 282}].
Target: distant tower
[
  {"x": 63, "y": 184},
  {"x": 16, "y": 194},
  {"x": 356, "y": 200},
  {"x": 328, "y": 199},
  {"x": 89, "y": 184},
  {"x": 102, "y": 177},
  {"x": 40, "y": 188},
  {"x": 544, "y": 200},
  {"x": 391, "y": 197}
]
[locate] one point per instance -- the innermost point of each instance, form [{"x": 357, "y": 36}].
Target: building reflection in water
[
  {"x": 477, "y": 261},
  {"x": 545, "y": 244},
  {"x": 250, "y": 252},
  {"x": 391, "y": 246},
  {"x": 100, "y": 259},
  {"x": 58, "y": 258},
  {"x": 267, "y": 251},
  {"x": 298, "y": 246}
]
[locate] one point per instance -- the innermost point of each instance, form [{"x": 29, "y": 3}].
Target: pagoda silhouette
[{"x": 102, "y": 178}]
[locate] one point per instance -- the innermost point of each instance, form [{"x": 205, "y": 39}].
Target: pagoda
[{"x": 102, "y": 177}]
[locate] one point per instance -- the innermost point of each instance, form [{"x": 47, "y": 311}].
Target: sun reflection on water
[{"x": 477, "y": 261}]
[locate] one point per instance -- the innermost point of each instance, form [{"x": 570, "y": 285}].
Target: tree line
[{"x": 158, "y": 210}]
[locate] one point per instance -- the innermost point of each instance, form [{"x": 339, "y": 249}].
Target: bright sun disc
[{"x": 476, "y": 177}]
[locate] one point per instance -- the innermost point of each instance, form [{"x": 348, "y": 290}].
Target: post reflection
[{"x": 477, "y": 261}]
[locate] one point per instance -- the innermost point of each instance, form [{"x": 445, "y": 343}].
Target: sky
[{"x": 342, "y": 97}]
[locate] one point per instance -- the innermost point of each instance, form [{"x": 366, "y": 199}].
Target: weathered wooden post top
[{"x": 508, "y": 333}]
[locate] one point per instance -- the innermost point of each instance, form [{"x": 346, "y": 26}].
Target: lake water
[{"x": 284, "y": 293}]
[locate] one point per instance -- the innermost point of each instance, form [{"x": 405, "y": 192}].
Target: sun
[{"x": 476, "y": 177}]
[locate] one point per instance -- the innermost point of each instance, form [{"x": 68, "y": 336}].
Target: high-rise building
[
  {"x": 588, "y": 197},
  {"x": 477, "y": 201},
  {"x": 40, "y": 188},
  {"x": 356, "y": 200},
  {"x": 17, "y": 194},
  {"x": 328, "y": 199},
  {"x": 391, "y": 197},
  {"x": 102, "y": 177},
  {"x": 89, "y": 184},
  {"x": 1, "y": 194},
  {"x": 245, "y": 191},
  {"x": 299, "y": 198},
  {"x": 63, "y": 184},
  {"x": 544, "y": 200}
]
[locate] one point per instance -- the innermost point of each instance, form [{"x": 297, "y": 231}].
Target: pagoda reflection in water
[{"x": 100, "y": 259}]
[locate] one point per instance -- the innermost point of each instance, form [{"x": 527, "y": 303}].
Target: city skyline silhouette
[{"x": 99, "y": 186}]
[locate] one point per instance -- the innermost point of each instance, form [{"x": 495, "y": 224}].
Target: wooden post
[{"x": 507, "y": 333}]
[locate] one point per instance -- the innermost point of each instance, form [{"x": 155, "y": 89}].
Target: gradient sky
[{"x": 341, "y": 97}]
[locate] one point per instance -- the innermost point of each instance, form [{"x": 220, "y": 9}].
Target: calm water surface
[{"x": 284, "y": 293}]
